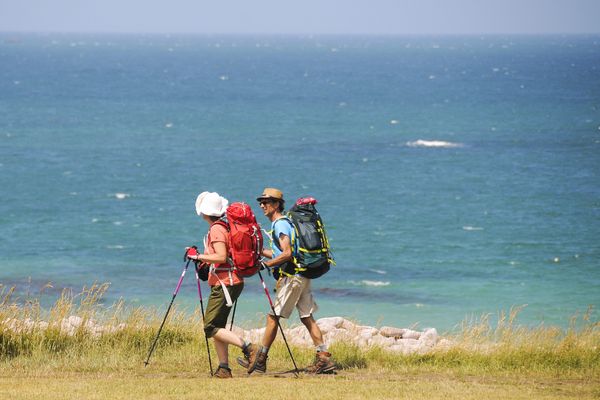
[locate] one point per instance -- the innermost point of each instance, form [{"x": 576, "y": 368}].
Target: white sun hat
[{"x": 211, "y": 204}]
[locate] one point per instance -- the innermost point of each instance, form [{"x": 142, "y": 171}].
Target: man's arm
[{"x": 286, "y": 252}]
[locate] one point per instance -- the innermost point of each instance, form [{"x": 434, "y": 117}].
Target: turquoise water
[{"x": 457, "y": 176}]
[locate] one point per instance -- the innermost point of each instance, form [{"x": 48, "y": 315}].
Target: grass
[{"x": 479, "y": 360}]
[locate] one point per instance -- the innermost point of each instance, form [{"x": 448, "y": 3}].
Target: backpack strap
[
  {"x": 293, "y": 242},
  {"x": 213, "y": 268},
  {"x": 228, "y": 301},
  {"x": 275, "y": 239}
]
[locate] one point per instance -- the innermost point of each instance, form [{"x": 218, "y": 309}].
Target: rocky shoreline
[
  {"x": 334, "y": 329},
  {"x": 338, "y": 329}
]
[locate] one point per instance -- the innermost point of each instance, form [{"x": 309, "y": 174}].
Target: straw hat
[
  {"x": 272, "y": 194},
  {"x": 211, "y": 204}
]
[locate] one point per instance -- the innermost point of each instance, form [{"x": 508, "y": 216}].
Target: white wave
[
  {"x": 433, "y": 143},
  {"x": 116, "y": 246},
  {"x": 375, "y": 283},
  {"x": 472, "y": 228},
  {"x": 378, "y": 271},
  {"x": 370, "y": 283},
  {"x": 122, "y": 196}
]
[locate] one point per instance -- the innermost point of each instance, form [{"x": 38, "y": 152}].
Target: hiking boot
[
  {"x": 322, "y": 364},
  {"x": 257, "y": 361},
  {"x": 245, "y": 360},
  {"x": 223, "y": 373}
]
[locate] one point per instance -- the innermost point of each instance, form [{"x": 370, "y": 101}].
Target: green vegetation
[{"x": 42, "y": 356}]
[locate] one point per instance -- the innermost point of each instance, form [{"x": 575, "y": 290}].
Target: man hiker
[{"x": 293, "y": 290}]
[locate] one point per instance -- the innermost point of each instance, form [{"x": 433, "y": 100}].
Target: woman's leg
[{"x": 223, "y": 338}]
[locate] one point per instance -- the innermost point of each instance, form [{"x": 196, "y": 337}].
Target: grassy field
[{"x": 43, "y": 361}]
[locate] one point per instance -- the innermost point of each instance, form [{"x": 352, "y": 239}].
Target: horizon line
[{"x": 190, "y": 33}]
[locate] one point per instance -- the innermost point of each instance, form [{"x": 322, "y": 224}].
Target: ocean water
[{"x": 457, "y": 176}]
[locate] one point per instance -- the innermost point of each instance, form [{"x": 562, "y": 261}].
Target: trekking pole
[
  {"x": 202, "y": 309},
  {"x": 278, "y": 324},
  {"x": 233, "y": 316},
  {"x": 167, "y": 313}
]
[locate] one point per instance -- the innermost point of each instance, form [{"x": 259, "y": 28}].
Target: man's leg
[
  {"x": 270, "y": 331},
  {"x": 323, "y": 363},
  {"x": 306, "y": 307},
  {"x": 288, "y": 292},
  {"x": 257, "y": 360},
  {"x": 313, "y": 329}
]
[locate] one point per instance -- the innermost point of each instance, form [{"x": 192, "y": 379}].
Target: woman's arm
[
  {"x": 267, "y": 253},
  {"x": 218, "y": 257}
]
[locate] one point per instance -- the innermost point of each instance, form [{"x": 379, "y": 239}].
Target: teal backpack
[{"x": 313, "y": 258}]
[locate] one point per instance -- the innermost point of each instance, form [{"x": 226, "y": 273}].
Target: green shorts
[{"x": 217, "y": 311}]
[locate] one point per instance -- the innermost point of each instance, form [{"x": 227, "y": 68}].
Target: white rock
[
  {"x": 367, "y": 332},
  {"x": 348, "y": 325},
  {"x": 429, "y": 337},
  {"x": 339, "y": 335},
  {"x": 389, "y": 331},
  {"x": 297, "y": 331},
  {"x": 69, "y": 325},
  {"x": 382, "y": 341},
  {"x": 410, "y": 334},
  {"x": 332, "y": 322},
  {"x": 371, "y": 329},
  {"x": 406, "y": 346}
]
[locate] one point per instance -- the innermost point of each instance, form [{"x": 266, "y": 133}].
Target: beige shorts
[{"x": 295, "y": 292}]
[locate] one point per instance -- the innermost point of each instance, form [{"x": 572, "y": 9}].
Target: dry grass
[{"x": 42, "y": 359}]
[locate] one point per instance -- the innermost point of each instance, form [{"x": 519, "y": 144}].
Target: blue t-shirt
[{"x": 280, "y": 227}]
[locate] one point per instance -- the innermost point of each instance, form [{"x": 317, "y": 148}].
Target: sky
[{"x": 302, "y": 16}]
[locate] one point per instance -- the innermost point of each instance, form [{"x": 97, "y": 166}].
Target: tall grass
[
  {"x": 480, "y": 347},
  {"x": 35, "y": 341}
]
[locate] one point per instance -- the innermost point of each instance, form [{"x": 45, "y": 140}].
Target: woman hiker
[{"x": 225, "y": 283}]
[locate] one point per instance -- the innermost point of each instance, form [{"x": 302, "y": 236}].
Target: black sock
[{"x": 246, "y": 345}]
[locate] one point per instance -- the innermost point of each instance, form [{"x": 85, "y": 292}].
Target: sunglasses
[{"x": 265, "y": 202}]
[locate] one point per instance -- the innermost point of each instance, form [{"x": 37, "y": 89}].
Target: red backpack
[{"x": 245, "y": 239}]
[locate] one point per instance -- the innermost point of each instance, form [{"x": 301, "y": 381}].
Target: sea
[{"x": 458, "y": 177}]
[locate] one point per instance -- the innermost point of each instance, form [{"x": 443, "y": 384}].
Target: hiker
[
  {"x": 225, "y": 283},
  {"x": 293, "y": 290}
]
